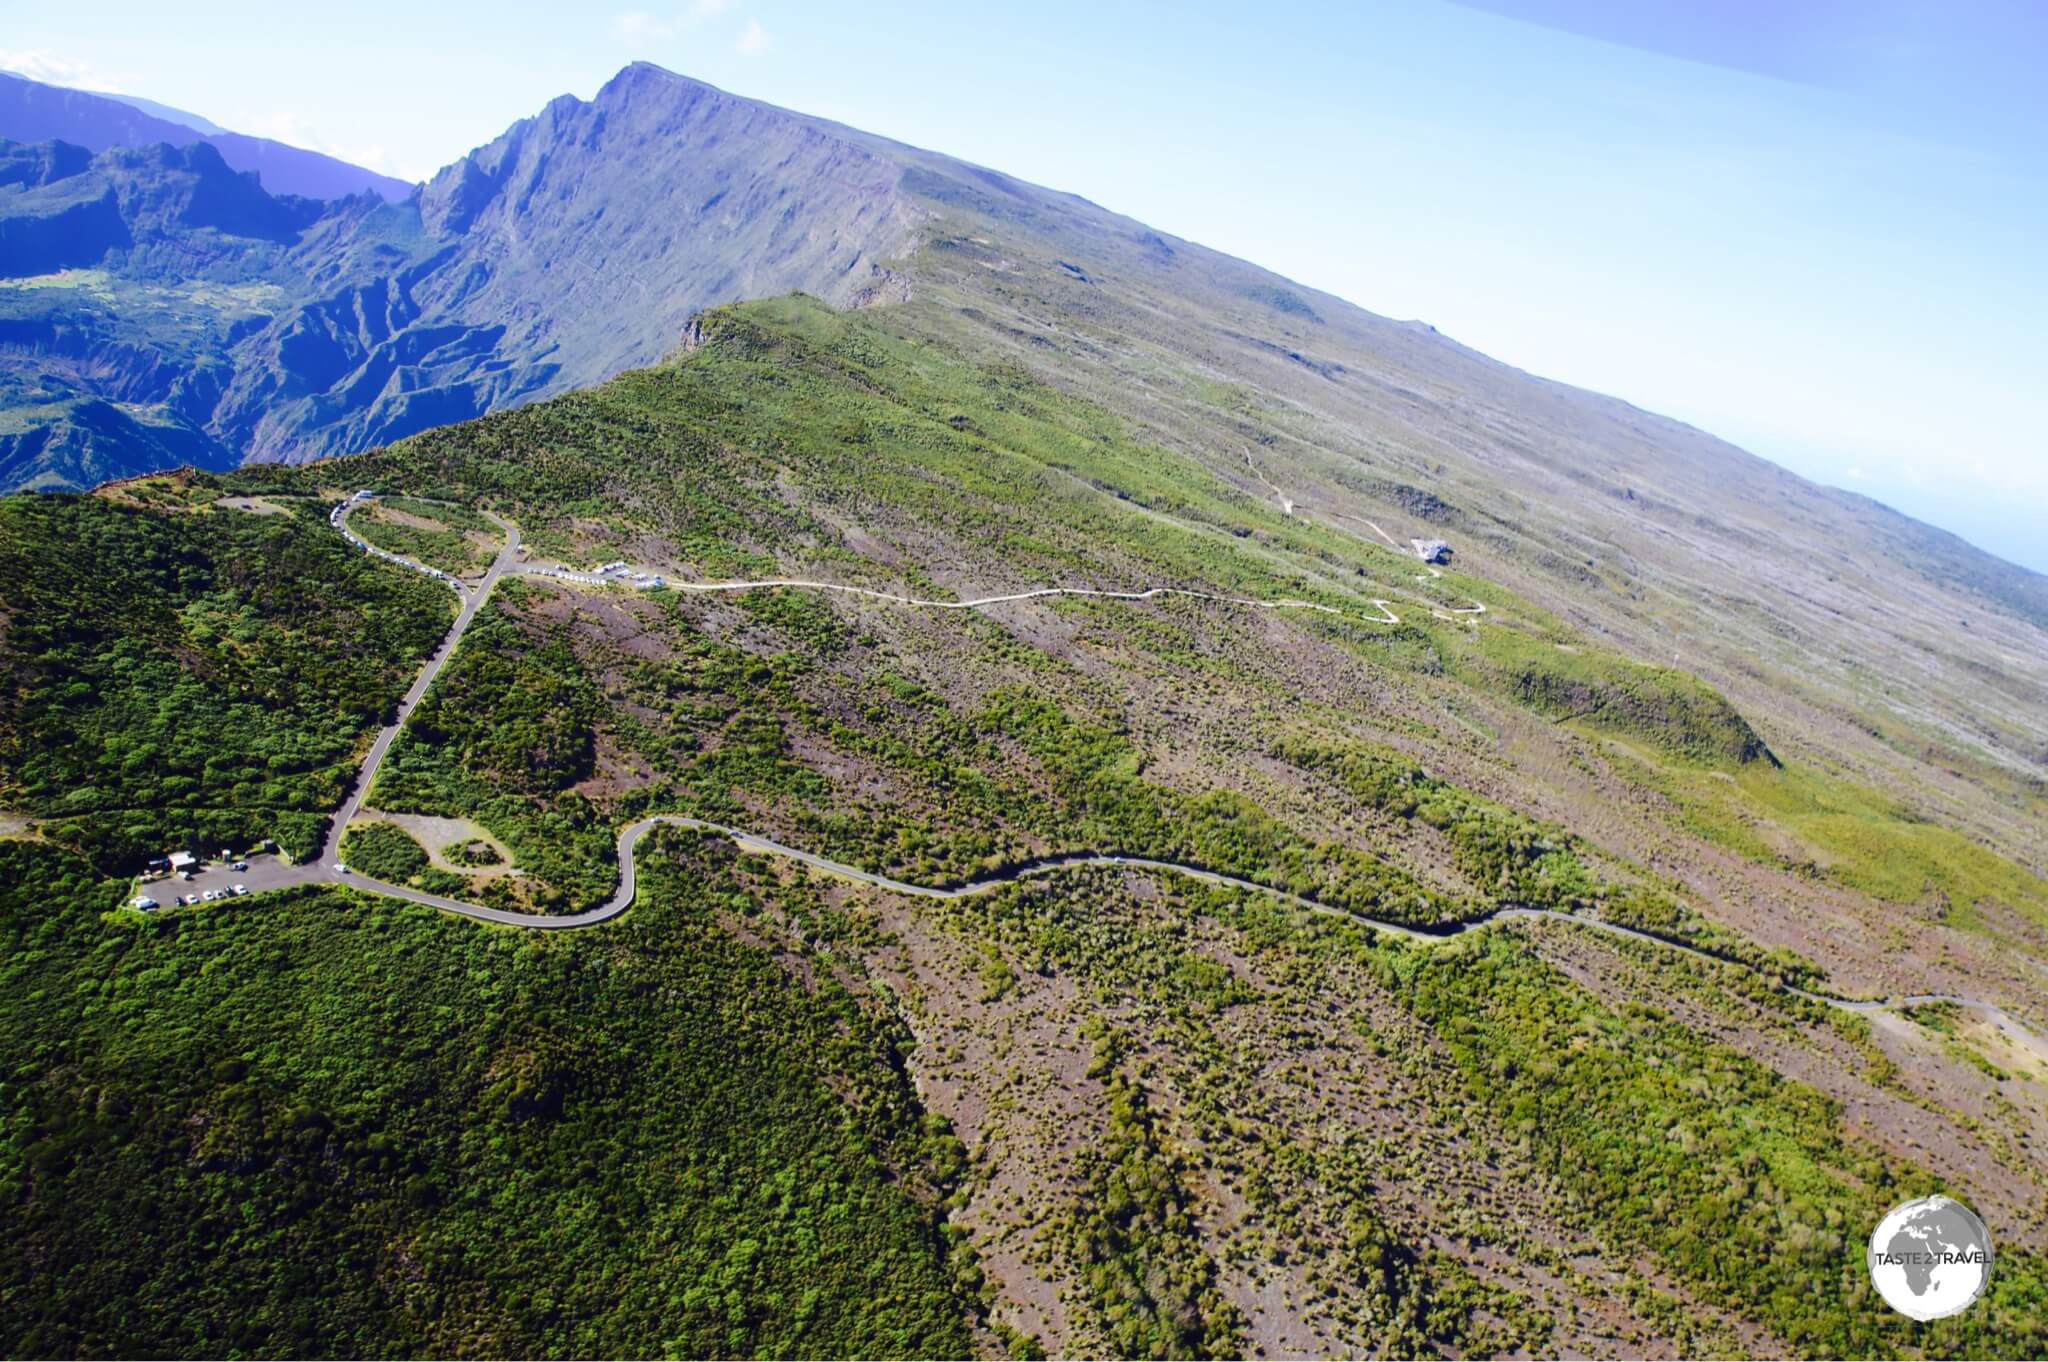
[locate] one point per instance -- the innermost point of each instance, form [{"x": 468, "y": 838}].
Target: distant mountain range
[
  {"x": 31, "y": 111},
  {"x": 196, "y": 122},
  {"x": 153, "y": 298}
]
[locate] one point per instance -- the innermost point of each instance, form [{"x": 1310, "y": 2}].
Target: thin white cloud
[
  {"x": 754, "y": 39},
  {"x": 54, "y": 69},
  {"x": 644, "y": 26},
  {"x": 293, "y": 130},
  {"x": 638, "y": 26}
]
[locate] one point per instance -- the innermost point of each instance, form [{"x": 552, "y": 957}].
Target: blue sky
[{"x": 1819, "y": 229}]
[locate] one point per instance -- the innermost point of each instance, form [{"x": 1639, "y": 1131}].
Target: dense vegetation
[
  {"x": 1742, "y": 1182},
  {"x": 1510, "y": 856},
  {"x": 502, "y": 737},
  {"x": 1744, "y": 1186},
  {"x": 431, "y": 533},
  {"x": 1143, "y": 1263},
  {"x": 1110, "y": 808},
  {"x": 326, "y": 1126},
  {"x": 319, "y": 1124},
  {"x": 1671, "y": 710},
  {"x": 192, "y": 678},
  {"x": 385, "y": 851}
]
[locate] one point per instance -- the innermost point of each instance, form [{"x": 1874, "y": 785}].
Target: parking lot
[{"x": 267, "y": 870}]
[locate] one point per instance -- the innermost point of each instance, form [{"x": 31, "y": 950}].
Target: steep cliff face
[
  {"x": 576, "y": 245},
  {"x": 657, "y": 196}
]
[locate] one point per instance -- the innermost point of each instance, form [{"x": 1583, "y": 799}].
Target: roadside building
[
  {"x": 182, "y": 860},
  {"x": 1432, "y": 550}
]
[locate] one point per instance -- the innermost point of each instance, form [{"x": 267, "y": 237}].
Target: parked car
[
  {"x": 241, "y": 889},
  {"x": 239, "y": 865}
]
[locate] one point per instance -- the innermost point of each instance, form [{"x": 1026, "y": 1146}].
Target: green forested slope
[
  {"x": 186, "y": 678},
  {"x": 326, "y": 1127}
]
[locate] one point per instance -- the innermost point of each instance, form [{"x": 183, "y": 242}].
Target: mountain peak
[
  {"x": 576, "y": 244},
  {"x": 653, "y": 126},
  {"x": 645, "y": 75},
  {"x": 646, "y": 71}
]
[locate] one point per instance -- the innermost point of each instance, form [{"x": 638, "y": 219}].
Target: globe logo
[{"x": 1930, "y": 1258}]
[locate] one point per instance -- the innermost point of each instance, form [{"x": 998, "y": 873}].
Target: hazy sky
[{"x": 1818, "y": 229}]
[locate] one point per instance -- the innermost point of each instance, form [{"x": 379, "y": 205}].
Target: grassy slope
[
  {"x": 440, "y": 545},
  {"x": 670, "y": 1097},
  {"x": 1847, "y": 632},
  {"x": 1856, "y": 836},
  {"x": 980, "y": 473},
  {"x": 1018, "y": 480}
]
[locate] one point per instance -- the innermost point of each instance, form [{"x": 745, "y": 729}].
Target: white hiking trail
[
  {"x": 1286, "y": 502},
  {"x": 1386, "y": 615},
  {"x": 327, "y": 869}
]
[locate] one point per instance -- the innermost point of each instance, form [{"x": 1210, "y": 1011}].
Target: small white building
[{"x": 183, "y": 860}]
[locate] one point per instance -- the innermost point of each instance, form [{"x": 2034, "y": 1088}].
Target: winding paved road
[
  {"x": 754, "y": 842},
  {"x": 472, "y": 600},
  {"x": 325, "y": 869}
]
